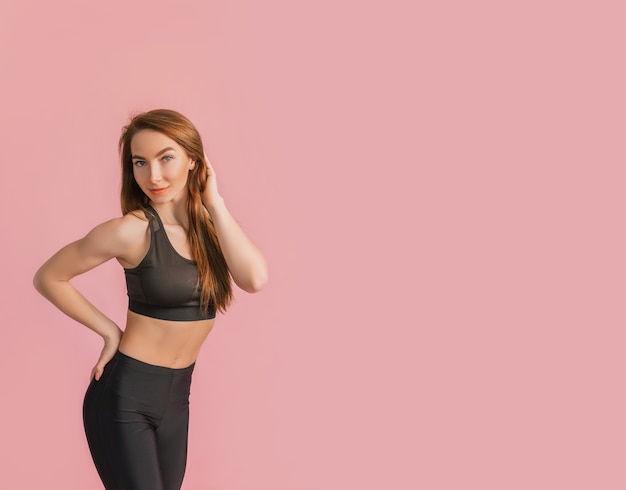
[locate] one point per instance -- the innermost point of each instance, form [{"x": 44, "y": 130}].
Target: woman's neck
[{"x": 172, "y": 213}]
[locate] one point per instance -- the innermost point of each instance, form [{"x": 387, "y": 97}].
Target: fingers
[
  {"x": 98, "y": 369},
  {"x": 108, "y": 352},
  {"x": 96, "y": 372},
  {"x": 208, "y": 163}
]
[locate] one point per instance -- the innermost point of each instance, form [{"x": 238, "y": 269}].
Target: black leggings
[{"x": 136, "y": 418}]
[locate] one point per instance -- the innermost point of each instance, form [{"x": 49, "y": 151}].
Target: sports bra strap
[{"x": 154, "y": 220}]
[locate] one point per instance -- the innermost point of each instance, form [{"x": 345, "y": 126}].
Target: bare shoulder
[
  {"x": 131, "y": 227},
  {"x": 119, "y": 237},
  {"x": 125, "y": 238}
]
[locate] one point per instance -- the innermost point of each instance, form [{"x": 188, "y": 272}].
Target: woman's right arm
[{"x": 106, "y": 241}]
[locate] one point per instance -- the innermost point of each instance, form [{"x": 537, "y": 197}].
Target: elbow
[
  {"x": 256, "y": 283},
  {"x": 259, "y": 284},
  {"x": 42, "y": 281},
  {"x": 38, "y": 281}
]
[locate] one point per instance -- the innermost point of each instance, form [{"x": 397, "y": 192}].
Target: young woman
[{"x": 179, "y": 247}]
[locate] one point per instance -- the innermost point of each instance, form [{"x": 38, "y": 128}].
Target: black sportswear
[{"x": 163, "y": 285}]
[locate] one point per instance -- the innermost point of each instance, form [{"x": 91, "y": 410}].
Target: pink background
[{"x": 438, "y": 187}]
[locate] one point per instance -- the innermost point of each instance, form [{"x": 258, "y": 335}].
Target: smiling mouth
[{"x": 158, "y": 191}]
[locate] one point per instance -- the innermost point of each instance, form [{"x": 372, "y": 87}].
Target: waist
[
  {"x": 147, "y": 368},
  {"x": 166, "y": 343}
]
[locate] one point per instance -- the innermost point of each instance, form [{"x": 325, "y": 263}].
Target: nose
[{"x": 155, "y": 173}]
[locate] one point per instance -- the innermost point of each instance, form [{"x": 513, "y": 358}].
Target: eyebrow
[{"x": 169, "y": 148}]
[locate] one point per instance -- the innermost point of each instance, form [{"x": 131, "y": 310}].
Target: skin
[{"x": 127, "y": 239}]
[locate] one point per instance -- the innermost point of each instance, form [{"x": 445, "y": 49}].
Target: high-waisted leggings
[{"x": 136, "y": 419}]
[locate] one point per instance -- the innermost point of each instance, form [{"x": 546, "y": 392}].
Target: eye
[
  {"x": 139, "y": 163},
  {"x": 167, "y": 158}
]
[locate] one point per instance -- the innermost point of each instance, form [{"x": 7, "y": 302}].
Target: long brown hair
[{"x": 213, "y": 274}]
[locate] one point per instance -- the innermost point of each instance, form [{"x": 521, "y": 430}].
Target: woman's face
[{"x": 160, "y": 166}]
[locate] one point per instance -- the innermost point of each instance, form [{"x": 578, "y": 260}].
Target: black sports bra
[{"x": 163, "y": 285}]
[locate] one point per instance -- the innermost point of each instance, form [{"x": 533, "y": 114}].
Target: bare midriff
[{"x": 163, "y": 342}]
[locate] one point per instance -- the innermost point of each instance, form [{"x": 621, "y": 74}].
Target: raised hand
[{"x": 210, "y": 196}]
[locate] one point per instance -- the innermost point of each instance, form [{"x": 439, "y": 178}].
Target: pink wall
[{"x": 439, "y": 189}]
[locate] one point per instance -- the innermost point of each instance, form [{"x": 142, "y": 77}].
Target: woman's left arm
[{"x": 246, "y": 263}]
